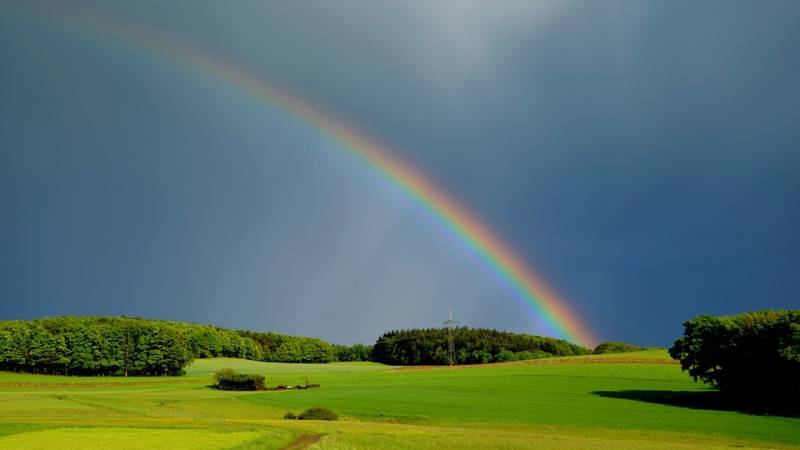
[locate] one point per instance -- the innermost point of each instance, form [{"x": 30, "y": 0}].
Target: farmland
[{"x": 635, "y": 400}]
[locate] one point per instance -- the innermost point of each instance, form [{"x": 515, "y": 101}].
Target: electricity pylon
[{"x": 451, "y": 346}]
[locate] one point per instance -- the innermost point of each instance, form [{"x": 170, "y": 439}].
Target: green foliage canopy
[
  {"x": 93, "y": 346},
  {"x": 355, "y": 352},
  {"x": 755, "y": 356},
  {"x": 297, "y": 349}
]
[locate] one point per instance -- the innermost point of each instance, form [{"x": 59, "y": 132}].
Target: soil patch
[{"x": 304, "y": 441}]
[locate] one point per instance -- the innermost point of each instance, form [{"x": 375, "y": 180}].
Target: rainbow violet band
[{"x": 466, "y": 227}]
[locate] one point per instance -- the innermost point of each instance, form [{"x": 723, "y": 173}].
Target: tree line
[
  {"x": 472, "y": 346},
  {"x": 134, "y": 346},
  {"x": 93, "y": 346},
  {"x": 125, "y": 346}
]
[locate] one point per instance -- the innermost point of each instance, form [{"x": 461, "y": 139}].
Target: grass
[
  {"x": 606, "y": 401},
  {"x": 127, "y": 438}
]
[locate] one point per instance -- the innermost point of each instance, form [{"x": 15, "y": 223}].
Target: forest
[
  {"x": 134, "y": 346},
  {"x": 472, "y": 346}
]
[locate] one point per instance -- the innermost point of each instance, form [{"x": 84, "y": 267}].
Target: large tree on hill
[{"x": 754, "y": 358}]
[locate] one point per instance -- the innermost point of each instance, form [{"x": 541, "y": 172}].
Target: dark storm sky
[{"x": 643, "y": 156}]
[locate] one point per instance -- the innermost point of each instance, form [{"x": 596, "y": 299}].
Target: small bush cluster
[
  {"x": 318, "y": 413},
  {"x": 229, "y": 380},
  {"x": 315, "y": 413}
]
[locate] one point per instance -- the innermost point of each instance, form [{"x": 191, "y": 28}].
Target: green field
[{"x": 611, "y": 401}]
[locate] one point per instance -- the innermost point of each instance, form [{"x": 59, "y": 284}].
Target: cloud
[{"x": 455, "y": 42}]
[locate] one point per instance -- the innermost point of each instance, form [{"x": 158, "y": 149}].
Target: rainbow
[{"x": 466, "y": 228}]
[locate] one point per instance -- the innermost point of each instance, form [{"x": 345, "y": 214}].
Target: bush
[
  {"x": 318, "y": 413},
  {"x": 616, "y": 347},
  {"x": 241, "y": 382},
  {"x": 754, "y": 357},
  {"x": 223, "y": 373},
  {"x": 290, "y": 416},
  {"x": 505, "y": 355}
]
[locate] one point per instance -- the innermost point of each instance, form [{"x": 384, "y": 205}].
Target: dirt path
[{"x": 303, "y": 441}]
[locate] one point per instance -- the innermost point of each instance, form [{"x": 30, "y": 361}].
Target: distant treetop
[{"x": 616, "y": 347}]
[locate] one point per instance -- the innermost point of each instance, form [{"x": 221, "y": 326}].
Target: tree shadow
[{"x": 709, "y": 400}]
